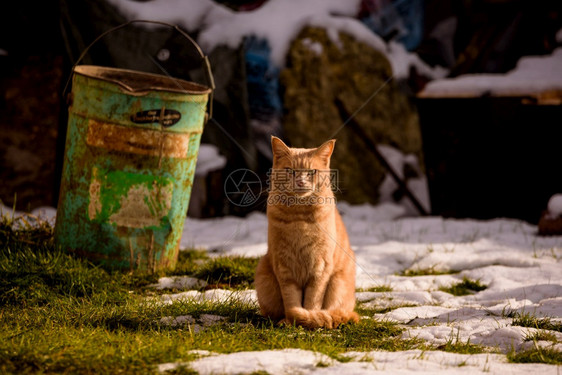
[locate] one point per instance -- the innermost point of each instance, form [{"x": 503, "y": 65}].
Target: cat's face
[{"x": 300, "y": 171}]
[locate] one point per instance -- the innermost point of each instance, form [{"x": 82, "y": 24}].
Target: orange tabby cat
[{"x": 307, "y": 276}]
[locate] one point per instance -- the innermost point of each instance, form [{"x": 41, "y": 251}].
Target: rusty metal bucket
[{"x": 130, "y": 155}]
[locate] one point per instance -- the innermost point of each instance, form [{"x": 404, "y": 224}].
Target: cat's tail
[{"x": 320, "y": 318}]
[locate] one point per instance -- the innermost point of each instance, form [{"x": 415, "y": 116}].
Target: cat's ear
[
  {"x": 278, "y": 147},
  {"x": 325, "y": 150}
]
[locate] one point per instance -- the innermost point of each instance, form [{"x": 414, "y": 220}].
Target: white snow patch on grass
[
  {"x": 295, "y": 361},
  {"x": 178, "y": 282},
  {"x": 212, "y": 295}
]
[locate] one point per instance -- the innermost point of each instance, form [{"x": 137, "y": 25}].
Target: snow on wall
[
  {"x": 192, "y": 15},
  {"x": 278, "y": 21},
  {"x": 532, "y": 75},
  {"x": 555, "y": 205}
]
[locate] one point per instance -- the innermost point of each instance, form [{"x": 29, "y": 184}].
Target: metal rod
[
  {"x": 354, "y": 125},
  {"x": 204, "y": 58}
]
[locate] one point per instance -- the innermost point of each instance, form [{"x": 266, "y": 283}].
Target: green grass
[
  {"x": 231, "y": 272},
  {"x": 465, "y": 287},
  {"x": 426, "y": 272},
  {"x": 189, "y": 261},
  {"x": 462, "y": 347},
  {"x": 369, "y": 311},
  {"x": 62, "y": 314},
  {"x": 542, "y": 335},
  {"x": 455, "y": 345},
  {"x": 536, "y": 355},
  {"x": 378, "y": 289},
  {"x": 546, "y": 328},
  {"x": 531, "y": 321}
]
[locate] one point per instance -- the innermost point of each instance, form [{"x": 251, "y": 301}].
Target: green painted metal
[{"x": 131, "y": 149}]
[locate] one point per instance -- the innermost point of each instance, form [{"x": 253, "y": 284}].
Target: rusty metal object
[{"x": 130, "y": 156}]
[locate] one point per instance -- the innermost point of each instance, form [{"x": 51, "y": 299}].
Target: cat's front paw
[{"x": 285, "y": 322}]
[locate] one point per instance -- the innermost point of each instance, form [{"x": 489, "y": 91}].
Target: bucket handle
[{"x": 208, "y": 74}]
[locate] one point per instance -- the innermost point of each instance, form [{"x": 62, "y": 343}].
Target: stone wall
[{"x": 321, "y": 73}]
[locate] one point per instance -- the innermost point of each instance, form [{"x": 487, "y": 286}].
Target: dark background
[{"x": 44, "y": 38}]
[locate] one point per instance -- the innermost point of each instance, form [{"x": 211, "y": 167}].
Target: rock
[
  {"x": 179, "y": 283},
  {"x": 321, "y": 73},
  {"x": 175, "y": 321}
]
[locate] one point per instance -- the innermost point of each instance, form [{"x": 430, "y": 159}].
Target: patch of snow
[
  {"x": 335, "y": 25},
  {"x": 286, "y": 361},
  {"x": 532, "y": 75},
  {"x": 209, "y": 319},
  {"x": 296, "y": 361},
  {"x": 209, "y": 159},
  {"x": 195, "y": 326},
  {"x": 246, "y": 236},
  {"x": 212, "y": 295},
  {"x": 555, "y": 206},
  {"x": 365, "y": 212},
  {"x": 36, "y": 215},
  {"x": 394, "y": 299},
  {"x": 402, "y": 61},
  {"x": 277, "y": 21},
  {"x": 178, "y": 282},
  {"x": 407, "y": 314},
  {"x": 175, "y": 321},
  {"x": 315, "y": 47},
  {"x": 192, "y": 15},
  {"x": 521, "y": 271}
]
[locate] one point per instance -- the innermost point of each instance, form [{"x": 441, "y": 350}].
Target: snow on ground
[
  {"x": 294, "y": 361},
  {"x": 277, "y": 21},
  {"x": 523, "y": 273},
  {"x": 532, "y": 75}
]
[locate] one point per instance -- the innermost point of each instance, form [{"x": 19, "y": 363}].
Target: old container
[
  {"x": 491, "y": 156},
  {"x": 130, "y": 156}
]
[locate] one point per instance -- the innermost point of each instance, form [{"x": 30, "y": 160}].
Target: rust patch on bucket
[
  {"x": 136, "y": 140},
  {"x": 94, "y": 207}
]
